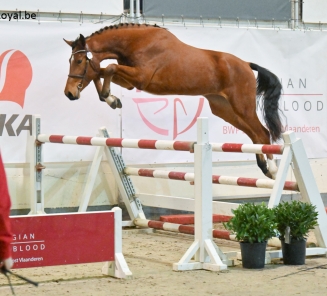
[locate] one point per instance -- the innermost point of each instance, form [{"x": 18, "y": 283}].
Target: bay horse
[{"x": 152, "y": 59}]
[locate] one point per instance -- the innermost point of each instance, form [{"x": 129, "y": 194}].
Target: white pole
[
  {"x": 119, "y": 267},
  {"x": 203, "y": 187},
  {"x": 292, "y": 13},
  {"x": 206, "y": 254},
  {"x": 36, "y": 170},
  {"x": 138, "y": 14},
  {"x": 296, "y": 13},
  {"x": 131, "y": 10}
]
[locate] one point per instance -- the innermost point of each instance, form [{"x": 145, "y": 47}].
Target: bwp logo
[
  {"x": 15, "y": 76},
  {"x": 177, "y": 101}
]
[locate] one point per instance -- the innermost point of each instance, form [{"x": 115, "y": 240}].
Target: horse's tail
[{"x": 269, "y": 89}]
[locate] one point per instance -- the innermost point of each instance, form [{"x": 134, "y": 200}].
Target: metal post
[
  {"x": 292, "y": 14},
  {"x": 296, "y": 13},
  {"x": 138, "y": 14},
  {"x": 131, "y": 10},
  {"x": 36, "y": 169}
]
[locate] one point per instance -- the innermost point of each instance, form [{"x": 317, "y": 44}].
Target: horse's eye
[{"x": 79, "y": 61}]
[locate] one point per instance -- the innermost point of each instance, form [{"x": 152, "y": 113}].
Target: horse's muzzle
[{"x": 70, "y": 96}]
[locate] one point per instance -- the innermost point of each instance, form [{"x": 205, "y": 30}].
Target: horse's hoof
[
  {"x": 113, "y": 105},
  {"x": 269, "y": 175},
  {"x": 119, "y": 104},
  {"x": 112, "y": 97},
  {"x": 102, "y": 99}
]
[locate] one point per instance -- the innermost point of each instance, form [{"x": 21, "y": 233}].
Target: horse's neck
[
  {"x": 99, "y": 50},
  {"x": 108, "y": 45}
]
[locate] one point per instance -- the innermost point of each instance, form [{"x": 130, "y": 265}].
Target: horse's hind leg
[
  {"x": 260, "y": 135},
  {"x": 250, "y": 125},
  {"x": 270, "y": 170}
]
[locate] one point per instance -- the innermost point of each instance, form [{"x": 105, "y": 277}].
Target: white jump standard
[
  {"x": 204, "y": 251},
  {"x": 206, "y": 254}
]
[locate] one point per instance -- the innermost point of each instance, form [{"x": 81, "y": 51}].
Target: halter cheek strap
[
  {"x": 75, "y": 75},
  {"x": 88, "y": 59}
]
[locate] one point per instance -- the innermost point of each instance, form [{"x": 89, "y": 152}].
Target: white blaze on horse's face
[{"x": 79, "y": 76}]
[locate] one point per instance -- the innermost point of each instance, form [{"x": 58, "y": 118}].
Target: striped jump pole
[
  {"x": 180, "y": 228},
  {"x": 188, "y": 229},
  {"x": 216, "y": 179},
  {"x": 189, "y": 218},
  {"x": 159, "y": 144},
  {"x": 247, "y": 148},
  {"x": 117, "y": 142}
]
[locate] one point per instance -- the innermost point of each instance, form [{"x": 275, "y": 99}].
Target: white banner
[
  {"x": 36, "y": 85},
  {"x": 34, "y": 67},
  {"x": 297, "y": 58}
]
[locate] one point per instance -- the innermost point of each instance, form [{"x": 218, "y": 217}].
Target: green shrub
[
  {"x": 299, "y": 216},
  {"x": 253, "y": 223}
]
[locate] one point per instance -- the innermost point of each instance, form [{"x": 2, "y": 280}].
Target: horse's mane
[{"x": 123, "y": 25}]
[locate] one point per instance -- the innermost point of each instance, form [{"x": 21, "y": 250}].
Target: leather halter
[{"x": 82, "y": 76}]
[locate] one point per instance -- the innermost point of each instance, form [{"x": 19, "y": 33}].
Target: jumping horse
[{"x": 152, "y": 59}]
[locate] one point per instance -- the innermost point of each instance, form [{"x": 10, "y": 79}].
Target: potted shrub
[
  {"x": 253, "y": 224},
  {"x": 294, "y": 220}
]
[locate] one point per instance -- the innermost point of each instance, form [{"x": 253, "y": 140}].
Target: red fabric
[{"x": 5, "y": 204}]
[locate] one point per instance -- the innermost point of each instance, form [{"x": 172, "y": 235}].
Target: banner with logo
[
  {"x": 297, "y": 58},
  {"x": 34, "y": 67}
]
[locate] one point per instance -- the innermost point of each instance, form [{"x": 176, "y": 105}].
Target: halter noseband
[{"x": 80, "y": 85}]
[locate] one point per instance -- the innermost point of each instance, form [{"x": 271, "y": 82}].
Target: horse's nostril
[{"x": 70, "y": 96}]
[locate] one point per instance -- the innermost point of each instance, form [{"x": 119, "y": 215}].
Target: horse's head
[{"x": 82, "y": 68}]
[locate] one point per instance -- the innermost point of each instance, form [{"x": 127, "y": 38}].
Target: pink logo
[
  {"x": 177, "y": 102},
  {"x": 15, "y": 76}
]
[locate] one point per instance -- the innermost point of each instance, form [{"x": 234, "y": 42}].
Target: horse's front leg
[
  {"x": 138, "y": 77},
  {"x": 133, "y": 76},
  {"x": 115, "y": 79},
  {"x": 110, "y": 99},
  {"x": 98, "y": 86}
]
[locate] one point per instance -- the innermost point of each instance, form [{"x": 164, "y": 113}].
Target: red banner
[{"x": 62, "y": 239}]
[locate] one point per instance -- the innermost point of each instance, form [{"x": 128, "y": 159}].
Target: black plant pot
[
  {"x": 253, "y": 255},
  {"x": 294, "y": 253}
]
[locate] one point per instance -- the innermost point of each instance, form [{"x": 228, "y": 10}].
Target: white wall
[{"x": 314, "y": 11}]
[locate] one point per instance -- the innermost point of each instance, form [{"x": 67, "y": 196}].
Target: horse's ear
[
  {"x": 82, "y": 39},
  {"x": 70, "y": 43}
]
